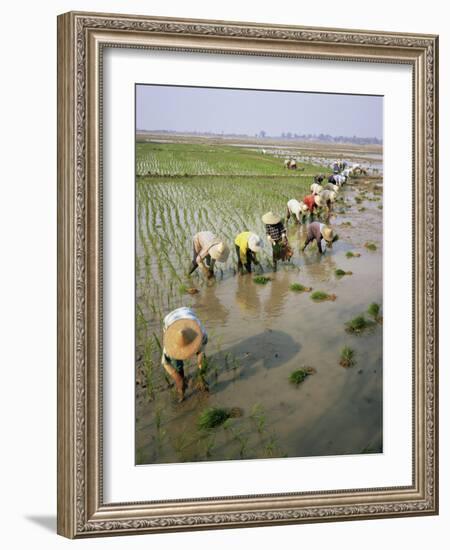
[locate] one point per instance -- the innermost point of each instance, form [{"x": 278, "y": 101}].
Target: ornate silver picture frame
[{"x": 82, "y": 510}]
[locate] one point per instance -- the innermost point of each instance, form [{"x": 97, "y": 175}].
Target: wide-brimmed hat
[
  {"x": 318, "y": 200},
  {"x": 255, "y": 243},
  {"x": 219, "y": 252},
  {"x": 327, "y": 234},
  {"x": 182, "y": 339},
  {"x": 270, "y": 218}
]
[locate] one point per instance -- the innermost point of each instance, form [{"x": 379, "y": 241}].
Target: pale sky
[{"x": 250, "y": 111}]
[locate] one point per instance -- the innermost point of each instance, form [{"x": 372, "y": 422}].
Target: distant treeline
[{"x": 284, "y": 135}]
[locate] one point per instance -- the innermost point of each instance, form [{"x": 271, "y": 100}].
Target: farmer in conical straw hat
[
  {"x": 318, "y": 231},
  {"x": 184, "y": 337},
  {"x": 208, "y": 249},
  {"x": 247, "y": 245},
  {"x": 277, "y": 237}
]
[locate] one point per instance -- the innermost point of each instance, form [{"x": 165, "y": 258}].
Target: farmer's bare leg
[
  {"x": 177, "y": 377},
  {"x": 288, "y": 214}
]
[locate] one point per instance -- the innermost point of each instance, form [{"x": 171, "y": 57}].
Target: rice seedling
[
  {"x": 362, "y": 209},
  {"x": 370, "y": 246},
  {"x": 298, "y": 287},
  {"x": 351, "y": 254},
  {"x": 346, "y": 224},
  {"x": 298, "y": 376},
  {"x": 341, "y": 272},
  {"x": 357, "y": 325},
  {"x": 258, "y": 416},
  {"x": 320, "y": 296},
  {"x": 261, "y": 280},
  {"x": 374, "y": 311},
  {"x": 380, "y": 207},
  {"x": 347, "y": 358}
]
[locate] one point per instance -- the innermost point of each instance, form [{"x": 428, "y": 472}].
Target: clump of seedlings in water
[
  {"x": 374, "y": 311},
  {"x": 298, "y": 287},
  {"x": 298, "y": 376},
  {"x": 362, "y": 209},
  {"x": 347, "y": 359},
  {"x": 183, "y": 289},
  {"x": 359, "y": 199},
  {"x": 380, "y": 207},
  {"x": 215, "y": 416},
  {"x": 370, "y": 246},
  {"x": 212, "y": 418},
  {"x": 341, "y": 272},
  {"x": 261, "y": 280},
  {"x": 351, "y": 254},
  {"x": 357, "y": 324},
  {"x": 320, "y": 296},
  {"x": 346, "y": 224}
]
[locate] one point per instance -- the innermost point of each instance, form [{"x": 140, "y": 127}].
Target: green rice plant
[
  {"x": 347, "y": 357},
  {"x": 359, "y": 199},
  {"x": 341, "y": 272},
  {"x": 261, "y": 280},
  {"x": 374, "y": 311},
  {"x": 212, "y": 418},
  {"x": 298, "y": 287},
  {"x": 380, "y": 207},
  {"x": 258, "y": 416},
  {"x": 320, "y": 296},
  {"x": 346, "y": 224},
  {"x": 370, "y": 246},
  {"x": 351, "y": 254},
  {"x": 362, "y": 209},
  {"x": 298, "y": 376},
  {"x": 357, "y": 324}
]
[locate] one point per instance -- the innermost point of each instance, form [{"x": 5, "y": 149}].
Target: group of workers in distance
[{"x": 184, "y": 334}]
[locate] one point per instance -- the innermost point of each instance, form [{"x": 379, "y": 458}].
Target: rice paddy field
[{"x": 282, "y": 381}]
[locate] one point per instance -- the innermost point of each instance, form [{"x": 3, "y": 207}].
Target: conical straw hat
[
  {"x": 219, "y": 252},
  {"x": 255, "y": 243},
  {"x": 182, "y": 339},
  {"x": 270, "y": 218},
  {"x": 327, "y": 234}
]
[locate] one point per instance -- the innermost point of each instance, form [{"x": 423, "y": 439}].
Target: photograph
[{"x": 258, "y": 274}]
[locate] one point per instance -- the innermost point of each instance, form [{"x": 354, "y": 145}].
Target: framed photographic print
[{"x": 247, "y": 284}]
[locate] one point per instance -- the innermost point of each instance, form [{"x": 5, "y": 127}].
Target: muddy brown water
[{"x": 259, "y": 334}]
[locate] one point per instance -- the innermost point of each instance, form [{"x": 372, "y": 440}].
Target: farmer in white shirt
[
  {"x": 184, "y": 337},
  {"x": 207, "y": 249},
  {"x": 297, "y": 209}
]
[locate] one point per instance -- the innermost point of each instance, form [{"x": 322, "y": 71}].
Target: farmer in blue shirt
[{"x": 184, "y": 337}]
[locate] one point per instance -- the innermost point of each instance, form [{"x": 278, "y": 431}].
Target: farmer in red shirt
[{"x": 312, "y": 202}]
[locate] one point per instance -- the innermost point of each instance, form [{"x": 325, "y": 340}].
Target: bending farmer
[
  {"x": 276, "y": 235},
  {"x": 207, "y": 249},
  {"x": 247, "y": 244},
  {"x": 184, "y": 337},
  {"x": 318, "y": 231}
]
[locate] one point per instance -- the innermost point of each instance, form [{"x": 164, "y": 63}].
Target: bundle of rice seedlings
[
  {"x": 374, "y": 311},
  {"x": 380, "y": 207},
  {"x": 261, "y": 280},
  {"x": 297, "y": 287},
  {"x": 341, "y": 272},
  {"x": 212, "y": 418},
  {"x": 346, "y": 224},
  {"x": 362, "y": 209},
  {"x": 298, "y": 376},
  {"x": 351, "y": 254},
  {"x": 357, "y": 324},
  {"x": 320, "y": 296},
  {"x": 370, "y": 246},
  {"x": 347, "y": 357}
]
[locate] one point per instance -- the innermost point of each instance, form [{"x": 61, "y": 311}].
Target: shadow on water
[{"x": 267, "y": 350}]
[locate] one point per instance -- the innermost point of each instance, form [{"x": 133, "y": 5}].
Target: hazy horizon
[{"x": 248, "y": 112}]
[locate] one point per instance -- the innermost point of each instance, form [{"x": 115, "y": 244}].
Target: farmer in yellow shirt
[{"x": 247, "y": 245}]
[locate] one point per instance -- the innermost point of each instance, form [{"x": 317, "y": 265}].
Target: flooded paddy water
[{"x": 258, "y": 334}]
